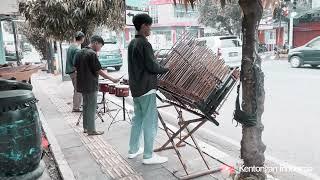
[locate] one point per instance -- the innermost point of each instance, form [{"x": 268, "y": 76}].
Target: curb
[{"x": 63, "y": 166}]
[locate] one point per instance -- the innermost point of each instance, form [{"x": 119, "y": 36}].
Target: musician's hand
[{"x": 115, "y": 80}]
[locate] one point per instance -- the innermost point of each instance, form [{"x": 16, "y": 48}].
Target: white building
[{"x": 169, "y": 22}]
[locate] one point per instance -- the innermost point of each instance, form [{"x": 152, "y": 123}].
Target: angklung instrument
[{"x": 198, "y": 82}]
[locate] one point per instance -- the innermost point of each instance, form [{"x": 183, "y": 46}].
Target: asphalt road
[{"x": 291, "y": 118}]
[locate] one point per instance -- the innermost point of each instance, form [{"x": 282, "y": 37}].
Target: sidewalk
[{"x": 104, "y": 157}]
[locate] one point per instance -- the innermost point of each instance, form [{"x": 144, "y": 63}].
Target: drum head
[
  {"x": 122, "y": 86},
  {"x": 104, "y": 82}
]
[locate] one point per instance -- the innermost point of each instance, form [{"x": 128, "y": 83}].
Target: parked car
[
  {"x": 262, "y": 48},
  {"x": 110, "y": 55},
  {"x": 229, "y": 48},
  {"x": 306, "y": 54}
]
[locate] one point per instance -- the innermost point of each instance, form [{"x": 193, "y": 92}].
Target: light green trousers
[
  {"x": 89, "y": 111},
  {"x": 145, "y": 119}
]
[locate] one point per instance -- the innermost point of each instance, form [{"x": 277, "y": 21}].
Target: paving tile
[
  {"x": 69, "y": 140},
  {"x": 108, "y": 153}
]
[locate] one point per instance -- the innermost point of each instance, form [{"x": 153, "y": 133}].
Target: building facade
[
  {"x": 273, "y": 34},
  {"x": 7, "y": 9},
  {"x": 169, "y": 22},
  {"x": 306, "y": 27}
]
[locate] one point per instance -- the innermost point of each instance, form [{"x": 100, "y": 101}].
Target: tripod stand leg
[
  {"x": 100, "y": 117},
  {"x": 104, "y": 102},
  {"x": 124, "y": 108},
  {"x": 78, "y": 122}
]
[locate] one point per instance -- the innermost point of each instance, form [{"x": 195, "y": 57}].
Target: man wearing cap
[
  {"x": 70, "y": 69},
  {"x": 88, "y": 70}
]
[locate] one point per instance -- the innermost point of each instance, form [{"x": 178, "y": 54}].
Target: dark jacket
[
  {"x": 142, "y": 66},
  {"x": 87, "y": 65}
]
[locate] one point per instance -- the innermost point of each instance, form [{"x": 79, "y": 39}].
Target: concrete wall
[
  {"x": 166, "y": 14},
  {"x": 9, "y": 7}
]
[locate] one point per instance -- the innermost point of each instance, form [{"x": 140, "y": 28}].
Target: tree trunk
[
  {"x": 252, "y": 77},
  {"x": 50, "y": 57}
]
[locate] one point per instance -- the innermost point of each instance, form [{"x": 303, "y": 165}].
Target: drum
[
  {"x": 20, "y": 133},
  {"x": 104, "y": 86},
  {"x": 112, "y": 88},
  {"x": 122, "y": 90}
]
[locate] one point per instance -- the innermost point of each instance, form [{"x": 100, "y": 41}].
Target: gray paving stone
[
  {"x": 69, "y": 140},
  {"x": 83, "y": 166}
]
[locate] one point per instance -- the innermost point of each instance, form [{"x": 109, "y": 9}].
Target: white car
[{"x": 228, "y": 47}]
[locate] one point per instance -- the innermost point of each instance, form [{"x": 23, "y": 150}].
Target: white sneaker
[
  {"x": 131, "y": 156},
  {"x": 156, "y": 159}
]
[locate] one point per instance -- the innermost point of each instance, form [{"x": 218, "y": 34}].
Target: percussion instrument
[
  {"x": 122, "y": 90},
  {"x": 104, "y": 85},
  {"x": 112, "y": 88},
  {"x": 198, "y": 78}
]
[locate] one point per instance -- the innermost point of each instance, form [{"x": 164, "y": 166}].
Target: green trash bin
[{"x": 20, "y": 133}]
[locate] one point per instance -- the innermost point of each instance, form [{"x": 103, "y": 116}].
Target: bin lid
[
  {"x": 14, "y": 99},
  {"x": 6, "y": 85}
]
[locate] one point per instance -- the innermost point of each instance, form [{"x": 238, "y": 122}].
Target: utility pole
[
  {"x": 292, "y": 15},
  {"x": 2, "y": 52},
  {"x": 291, "y": 31},
  {"x": 280, "y": 19},
  {"x": 14, "y": 29}
]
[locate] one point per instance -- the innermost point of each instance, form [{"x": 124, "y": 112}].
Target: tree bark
[
  {"x": 50, "y": 58},
  {"x": 252, "y": 78}
]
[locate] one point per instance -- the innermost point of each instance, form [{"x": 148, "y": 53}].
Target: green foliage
[
  {"x": 35, "y": 37},
  {"x": 279, "y": 14},
  {"x": 226, "y": 20},
  {"x": 60, "y": 19}
]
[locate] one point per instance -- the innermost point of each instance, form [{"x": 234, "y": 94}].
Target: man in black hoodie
[{"x": 143, "y": 71}]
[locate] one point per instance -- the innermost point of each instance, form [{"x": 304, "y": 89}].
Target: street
[{"x": 290, "y": 118}]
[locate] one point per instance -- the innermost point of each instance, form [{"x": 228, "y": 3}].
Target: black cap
[{"x": 98, "y": 39}]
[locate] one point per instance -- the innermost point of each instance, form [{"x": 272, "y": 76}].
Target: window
[
  {"x": 154, "y": 14},
  {"x": 226, "y": 43},
  {"x": 315, "y": 43},
  {"x": 181, "y": 12}
]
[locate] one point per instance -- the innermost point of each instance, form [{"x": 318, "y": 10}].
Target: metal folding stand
[
  {"x": 98, "y": 115},
  {"x": 124, "y": 112},
  {"x": 183, "y": 125},
  {"x": 105, "y": 108}
]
